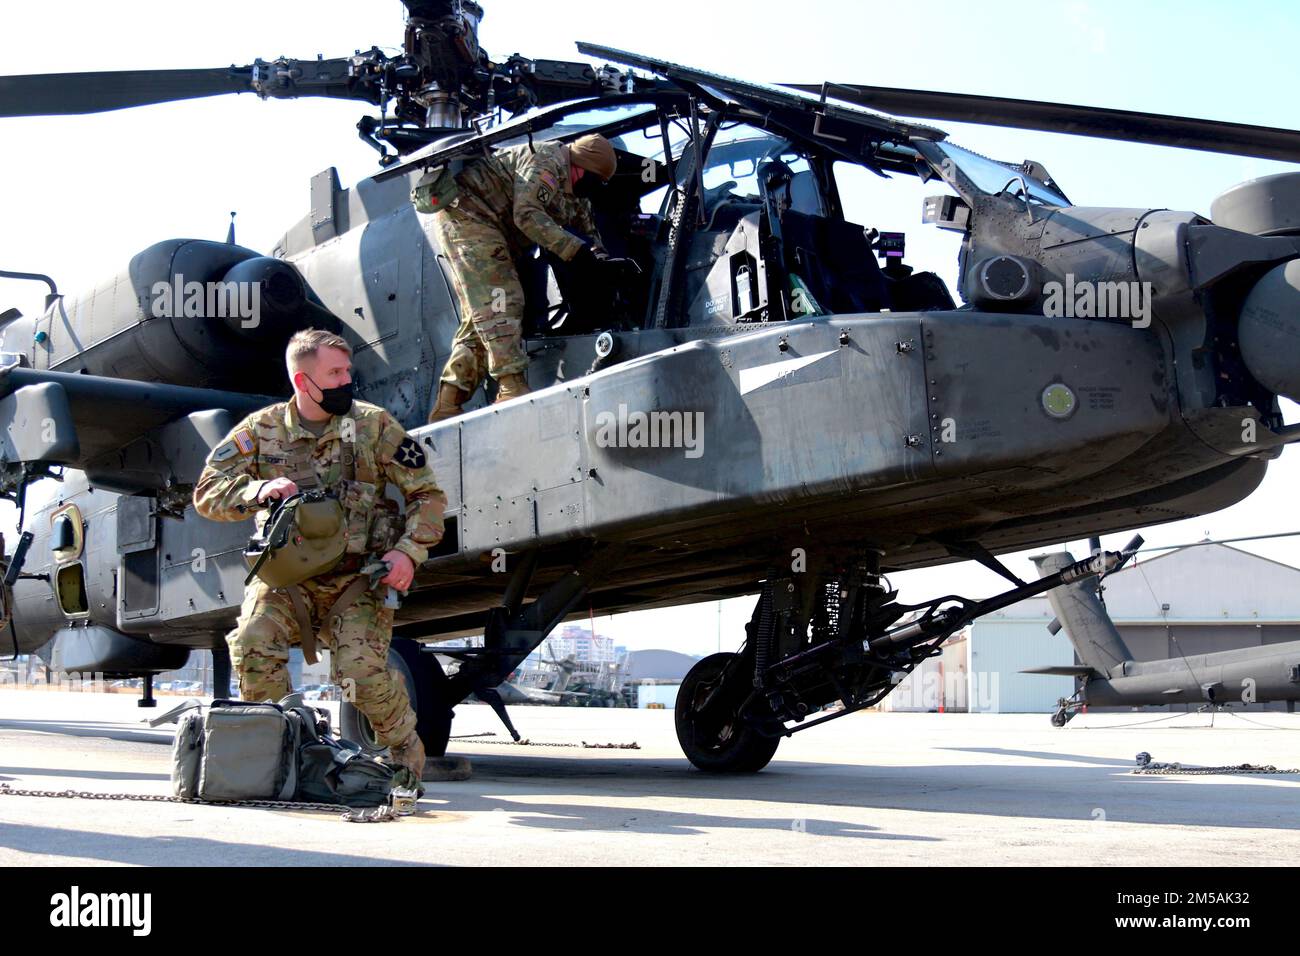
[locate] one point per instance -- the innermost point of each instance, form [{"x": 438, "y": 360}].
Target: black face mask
[{"x": 336, "y": 401}]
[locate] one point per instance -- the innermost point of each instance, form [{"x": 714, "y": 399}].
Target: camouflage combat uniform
[
  {"x": 273, "y": 443},
  {"x": 507, "y": 202}
]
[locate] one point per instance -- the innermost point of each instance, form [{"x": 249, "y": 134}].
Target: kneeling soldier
[{"x": 325, "y": 441}]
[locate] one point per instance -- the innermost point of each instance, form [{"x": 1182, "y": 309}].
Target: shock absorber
[{"x": 766, "y": 631}]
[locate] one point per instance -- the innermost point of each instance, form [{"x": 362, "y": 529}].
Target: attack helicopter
[{"x": 775, "y": 403}]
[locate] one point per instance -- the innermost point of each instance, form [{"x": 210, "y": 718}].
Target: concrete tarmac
[{"x": 873, "y": 789}]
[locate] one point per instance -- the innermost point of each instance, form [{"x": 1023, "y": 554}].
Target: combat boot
[
  {"x": 409, "y": 754},
  {"x": 510, "y": 386},
  {"x": 448, "y": 405}
]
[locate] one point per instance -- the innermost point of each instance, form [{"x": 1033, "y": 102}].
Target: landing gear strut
[
  {"x": 1067, "y": 708},
  {"x": 832, "y": 641}
]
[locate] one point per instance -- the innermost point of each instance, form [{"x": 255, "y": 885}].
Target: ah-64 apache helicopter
[{"x": 853, "y": 420}]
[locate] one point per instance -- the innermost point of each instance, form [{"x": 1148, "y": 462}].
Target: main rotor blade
[
  {"x": 755, "y": 95},
  {"x": 1238, "y": 139},
  {"x": 56, "y": 94}
]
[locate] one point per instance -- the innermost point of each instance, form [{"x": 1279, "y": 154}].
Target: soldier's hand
[
  {"x": 595, "y": 257},
  {"x": 621, "y": 267},
  {"x": 401, "y": 570},
  {"x": 588, "y": 256},
  {"x": 277, "y": 489}
]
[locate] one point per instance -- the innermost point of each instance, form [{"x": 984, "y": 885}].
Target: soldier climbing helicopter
[{"x": 823, "y": 382}]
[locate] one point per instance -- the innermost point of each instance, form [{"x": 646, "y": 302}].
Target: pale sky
[{"x": 80, "y": 195}]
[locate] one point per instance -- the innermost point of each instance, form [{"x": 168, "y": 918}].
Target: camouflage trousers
[
  {"x": 481, "y": 258},
  {"x": 268, "y": 627}
]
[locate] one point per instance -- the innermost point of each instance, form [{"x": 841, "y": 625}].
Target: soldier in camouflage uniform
[
  {"x": 305, "y": 442},
  {"x": 503, "y": 204}
]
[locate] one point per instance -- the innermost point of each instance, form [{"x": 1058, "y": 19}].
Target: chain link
[
  {"x": 1176, "y": 769},
  {"x": 378, "y": 814},
  {"x": 473, "y": 738},
  {"x": 541, "y": 743}
]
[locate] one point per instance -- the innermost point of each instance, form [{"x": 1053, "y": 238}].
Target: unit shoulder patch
[
  {"x": 409, "y": 454},
  {"x": 223, "y": 452},
  {"x": 241, "y": 444},
  {"x": 544, "y": 194}
]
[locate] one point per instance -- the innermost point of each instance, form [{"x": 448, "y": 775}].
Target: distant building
[
  {"x": 657, "y": 676},
  {"x": 659, "y": 665},
  {"x": 577, "y": 641},
  {"x": 938, "y": 683},
  {"x": 662, "y": 696}
]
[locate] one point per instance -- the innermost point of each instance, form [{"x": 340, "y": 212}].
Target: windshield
[
  {"x": 737, "y": 155},
  {"x": 649, "y": 142},
  {"x": 993, "y": 177}
]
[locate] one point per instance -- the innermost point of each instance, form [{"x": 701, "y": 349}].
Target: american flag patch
[
  {"x": 244, "y": 441},
  {"x": 549, "y": 180}
]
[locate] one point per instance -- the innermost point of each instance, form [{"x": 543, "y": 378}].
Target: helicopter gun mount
[{"x": 815, "y": 641}]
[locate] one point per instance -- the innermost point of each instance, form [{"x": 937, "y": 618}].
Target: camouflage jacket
[
  {"x": 528, "y": 188},
  {"x": 272, "y": 443}
]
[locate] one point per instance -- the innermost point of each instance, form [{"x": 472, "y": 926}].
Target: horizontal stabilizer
[{"x": 1064, "y": 670}]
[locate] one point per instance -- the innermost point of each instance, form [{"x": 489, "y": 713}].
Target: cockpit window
[
  {"x": 992, "y": 177},
  {"x": 737, "y": 159},
  {"x": 649, "y": 141}
]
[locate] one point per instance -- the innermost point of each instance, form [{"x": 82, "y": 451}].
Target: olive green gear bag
[
  {"x": 304, "y": 537},
  {"x": 239, "y": 750},
  {"x": 235, "y": 750}
]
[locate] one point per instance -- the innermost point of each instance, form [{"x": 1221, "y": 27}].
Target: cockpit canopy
[{"x": 727, "y": 198}]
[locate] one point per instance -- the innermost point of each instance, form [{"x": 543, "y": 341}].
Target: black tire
[
  {"x": 1059, "y": 719},
  {"x": 744, "y": 750},
  {"x": 425, "y": 684}
]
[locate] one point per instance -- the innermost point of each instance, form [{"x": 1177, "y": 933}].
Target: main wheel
[
  {"x": 425, "y": 682},
  {"x": 715, "y": 739}
]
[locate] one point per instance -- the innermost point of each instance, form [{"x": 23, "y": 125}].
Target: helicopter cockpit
[
  {"x": 726, "y": 199},
  {"x": 754, "y": 232}
]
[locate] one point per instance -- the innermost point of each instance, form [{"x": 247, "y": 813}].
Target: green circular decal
[{"x": 1058, "y": 400}]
